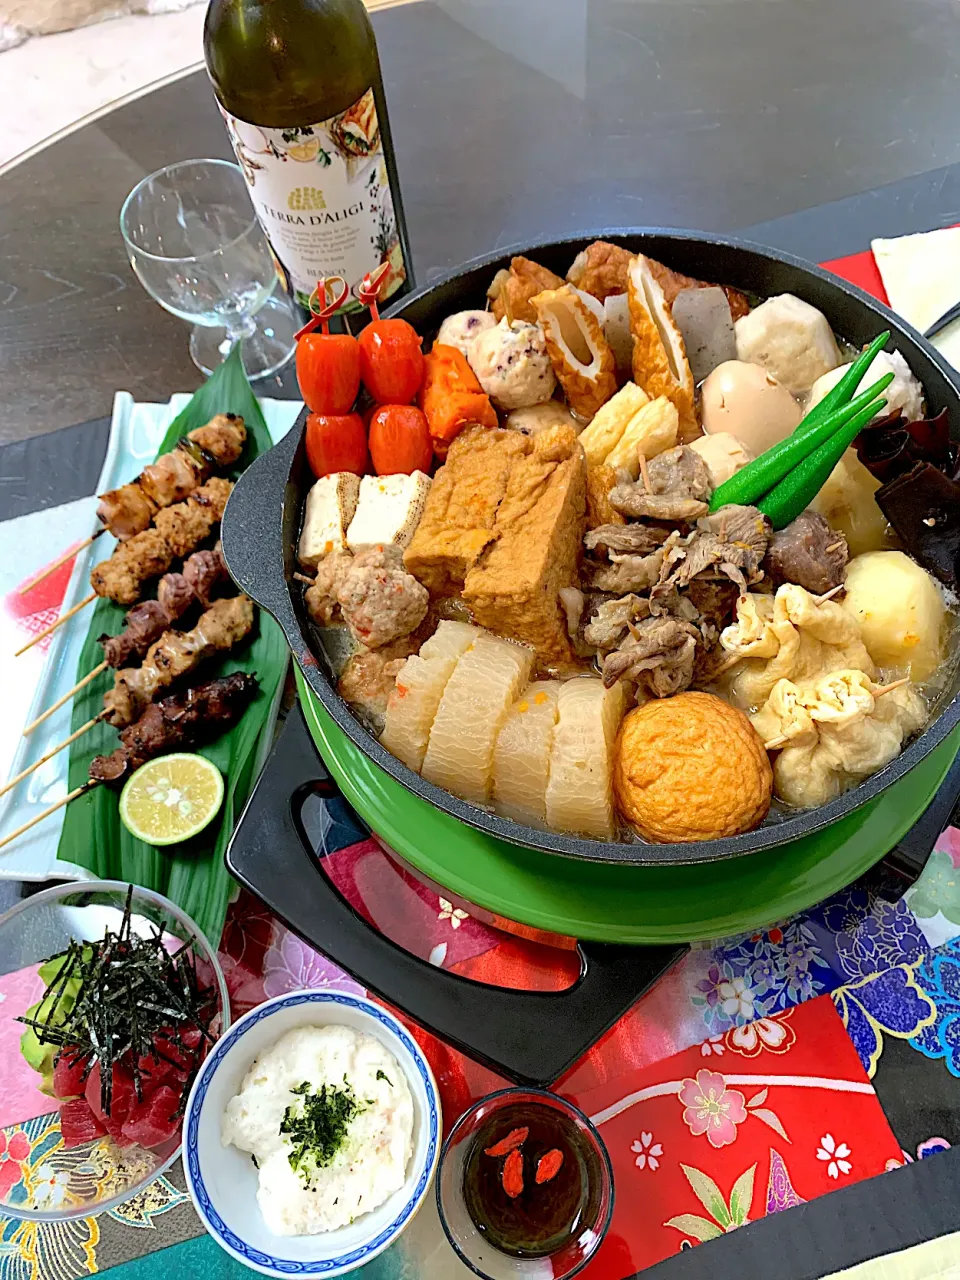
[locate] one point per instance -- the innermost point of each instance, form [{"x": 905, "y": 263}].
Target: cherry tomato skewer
[
  {"x": 400, "y": 440},
  {"x": 328, "y": 364},
  {"x": 336, "y": 442},
  {"x": 391, "y": 362}
]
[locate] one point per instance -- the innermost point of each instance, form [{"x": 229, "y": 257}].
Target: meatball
[
  {"x": 380, "y": 601},
  {"x": 321, "y": 597}
]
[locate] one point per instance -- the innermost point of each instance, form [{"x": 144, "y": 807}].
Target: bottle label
[{"x": 323, "y": 197}]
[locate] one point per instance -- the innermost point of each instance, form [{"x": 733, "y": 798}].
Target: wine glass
[{"x": 196, "y": 246}]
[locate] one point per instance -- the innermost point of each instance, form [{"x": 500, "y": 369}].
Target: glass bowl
[
  {"x": 543, "y": 1117},
  {"x": 41, "y": 1180}
]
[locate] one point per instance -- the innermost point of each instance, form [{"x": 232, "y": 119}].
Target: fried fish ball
[{"x": 690, "y": 767}]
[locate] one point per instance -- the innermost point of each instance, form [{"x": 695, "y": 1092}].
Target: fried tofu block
[
  {"x": 603, "y": 433},
  {"x": 660, "y": 362},
  {"x": 512, "y": 290},
  {"x": 600, "y": 510},
  {"x": 513, "y": 588},
  {"x": 461, "y": 508},
  {"x": 651, "y": 430}
]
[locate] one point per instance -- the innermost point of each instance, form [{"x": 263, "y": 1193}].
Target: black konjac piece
[{"x": 923, "y": 506}]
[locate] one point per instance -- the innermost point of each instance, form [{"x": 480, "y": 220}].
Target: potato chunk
[{"x": 900, "y": 610}]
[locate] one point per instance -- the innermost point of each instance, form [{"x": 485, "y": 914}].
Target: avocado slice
[{"x": 51, "y": 1010}]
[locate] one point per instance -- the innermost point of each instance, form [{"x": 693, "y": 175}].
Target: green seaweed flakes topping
[{"x": 317, "y": 1124}]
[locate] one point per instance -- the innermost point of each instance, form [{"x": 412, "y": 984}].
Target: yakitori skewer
[
  {"x": 130, "y": 509},
  {"x": 67, "y": 555},
  {"x": 177, "y": 530},
  {"x": 81, "y": 684},
  {"x": 180, "y": 722},
  {"x": 174, "y": 655},
  {"x": 64, "y": 617},
  {"x": 48, "y": 755},
  {"x": 201, "y": 576}
]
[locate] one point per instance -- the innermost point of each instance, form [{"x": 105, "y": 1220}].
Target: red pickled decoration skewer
[{"x": 322, "y": 313}]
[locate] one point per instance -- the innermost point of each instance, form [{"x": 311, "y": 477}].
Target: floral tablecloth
[{"x": 757, "y": 1074}]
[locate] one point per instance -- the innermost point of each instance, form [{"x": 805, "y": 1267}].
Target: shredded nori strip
[{"x": 132, "y": 992}]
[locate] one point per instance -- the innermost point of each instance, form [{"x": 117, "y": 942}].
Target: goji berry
[
  {"x": 548, "y": 1166},
  {"x": 515, "y": 1138},
  {"x": 512, "y": 1176}
]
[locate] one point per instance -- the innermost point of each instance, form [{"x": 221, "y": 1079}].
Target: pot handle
[{"x": 531, "y": 1037}]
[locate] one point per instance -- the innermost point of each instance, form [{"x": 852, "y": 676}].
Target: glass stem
[{"x": 240, "y": 328}]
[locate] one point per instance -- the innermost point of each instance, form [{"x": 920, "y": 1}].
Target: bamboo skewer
[
  {"x": 25, "y": 773},
  {"x": 302, "y": 577},
  {"x": 888, "y": 688},
  {"x": 67, "y": 555},
  {"x": 78, "y": 791},
  {"x": 66, "y": 698},
  {"x": 778, "y": 741},
  {"x": 64, "y": 617}
]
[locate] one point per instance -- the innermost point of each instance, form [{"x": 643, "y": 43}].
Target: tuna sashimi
[
  {"x": 122, "y": 1101},
  {"x": 69, "y": 1073},
  {"x": 78, "y": 1124},
  {"x": 154, "y": 1121}
]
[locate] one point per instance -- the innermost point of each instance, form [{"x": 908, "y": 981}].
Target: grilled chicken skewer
[
  {"x": 147, "y": 555},
  {"x": 146, "y": 622},
  {"x": 131, "y": 508},
  {"x": 180, "y": 722},
  {"x": 175, "y": 654}
]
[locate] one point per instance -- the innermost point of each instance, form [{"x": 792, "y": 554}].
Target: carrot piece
[
  {"x": 548, "y": 1166},
  {"x": 512, "y": 1176},
  {"x": 450, "y": 395},
  {"x": 515, "y": 1138}
]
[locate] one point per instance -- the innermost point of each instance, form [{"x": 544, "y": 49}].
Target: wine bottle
[{"x": 300, "y": 90}]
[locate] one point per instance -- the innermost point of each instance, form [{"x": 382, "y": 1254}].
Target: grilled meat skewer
[
  {"x": 178, "y": 530},
  {"x": 184, "y": 720},
  {"x": 131, "y": 508},
  {"x": 146, "y": 622},
  {"x": 224, "y": 624},
  {"x": 181, "y": 722}
]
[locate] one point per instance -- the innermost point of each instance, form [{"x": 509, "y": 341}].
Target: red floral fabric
[{"x": 768, "y": 1116}]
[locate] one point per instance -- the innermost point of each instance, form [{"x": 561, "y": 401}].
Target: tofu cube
[
  {"x": 327, "y": 514},
  {"x": 388, "y": 511}
]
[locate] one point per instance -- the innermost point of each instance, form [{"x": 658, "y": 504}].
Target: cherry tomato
[
  {"x": 391, "y": 362},
  {"x": 400, "y": 440},
  {"x": 336, "y": 442},
  {"x": 328, "y": 370}
]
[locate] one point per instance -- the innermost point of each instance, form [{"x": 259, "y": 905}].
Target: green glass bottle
[{"x": 300, "y": 90}]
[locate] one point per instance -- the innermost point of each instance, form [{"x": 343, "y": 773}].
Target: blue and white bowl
[{"x": 223, "y": 1181}]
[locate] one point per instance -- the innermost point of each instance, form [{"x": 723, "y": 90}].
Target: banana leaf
[{"x": 192, "y": 874}]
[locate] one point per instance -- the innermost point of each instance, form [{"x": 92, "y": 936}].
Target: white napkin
[{"x": 921, "y": 274}]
